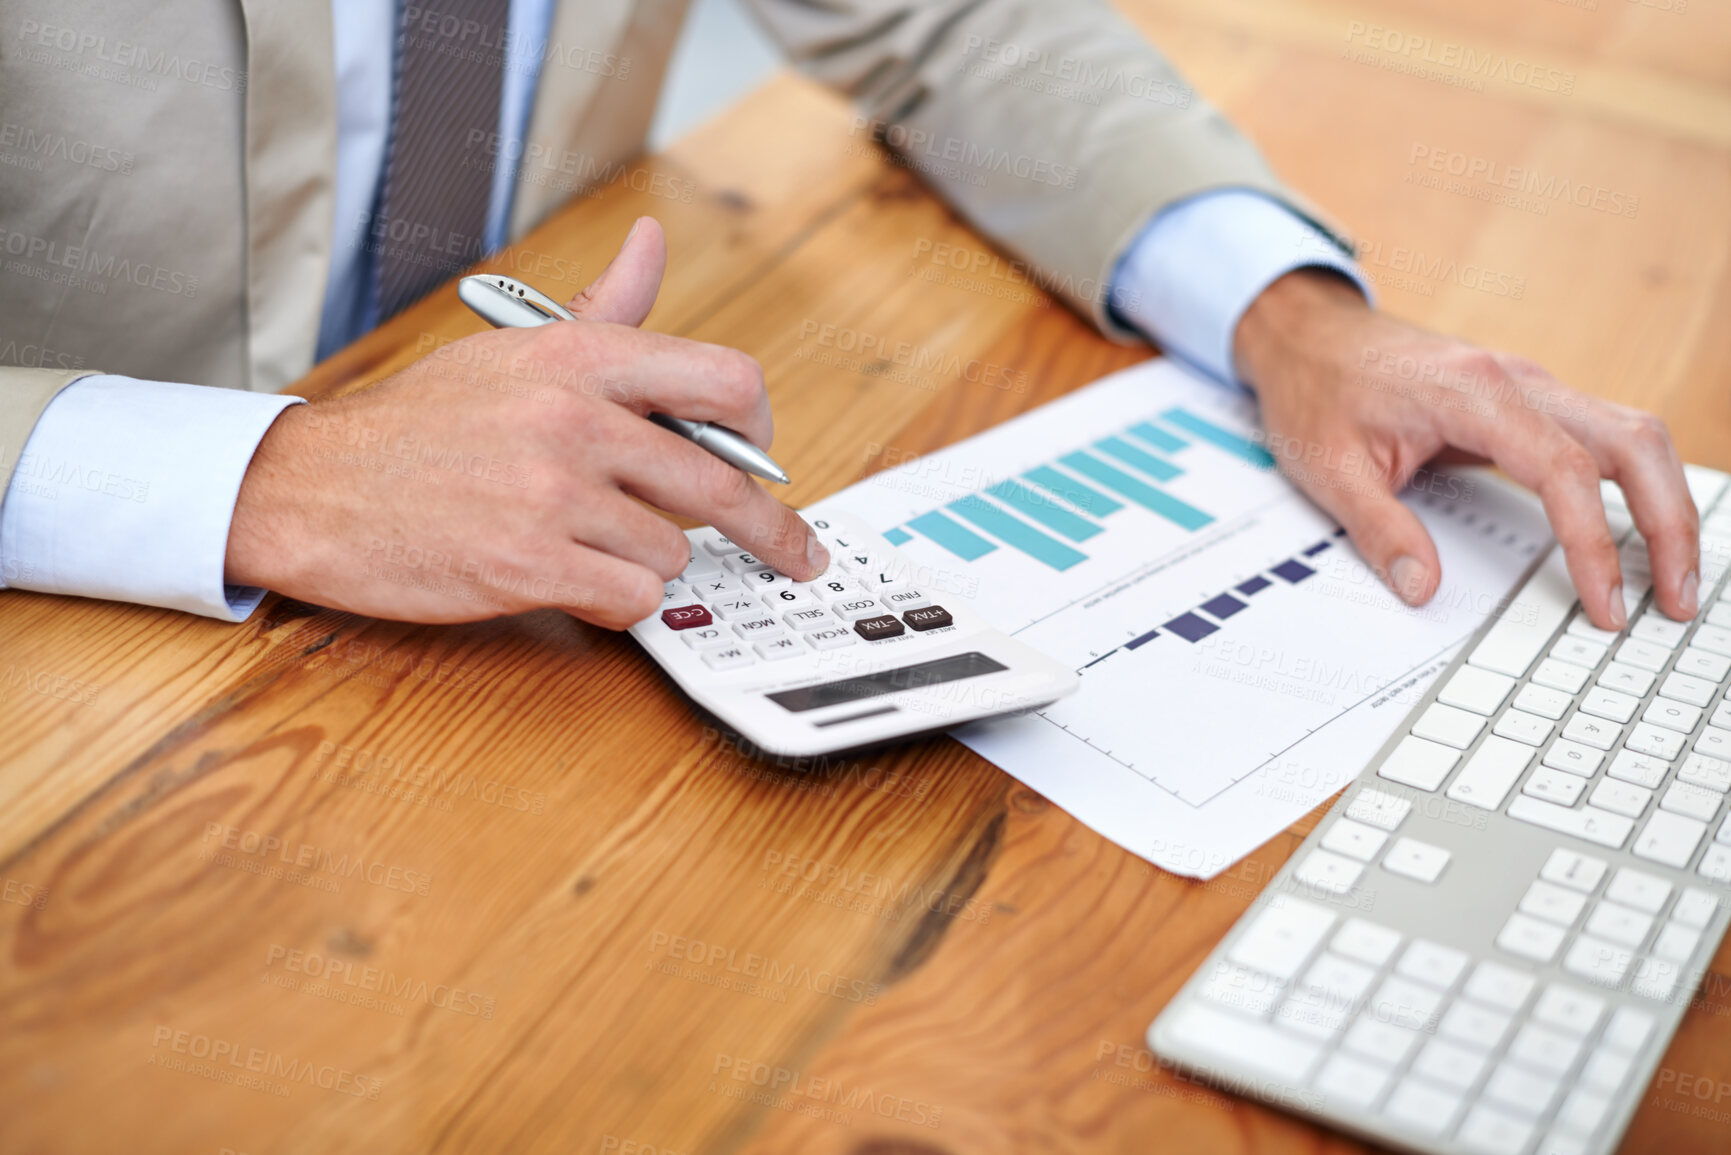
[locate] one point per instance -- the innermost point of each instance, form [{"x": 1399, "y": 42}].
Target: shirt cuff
[
  {"x": 126, "y": 489},
  {"x": 1193, "y": 271}
]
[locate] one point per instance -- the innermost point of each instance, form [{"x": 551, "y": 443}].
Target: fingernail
[
  {"x": 1408, "y": 576},
  {"x": 1619, "y": 615},
  {"x": 635, "y": 225},
  {"x": 816, "y": 555},
  {"x": 1690, "y": 594}
]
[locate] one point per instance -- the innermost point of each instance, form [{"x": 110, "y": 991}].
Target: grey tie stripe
[{"x": 433, "y": 209}]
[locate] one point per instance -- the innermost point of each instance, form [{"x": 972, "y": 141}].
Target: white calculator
[{"x": 870, "y": 652}]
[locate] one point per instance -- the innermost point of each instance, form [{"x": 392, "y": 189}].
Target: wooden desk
[{"x": 484, "y": 960}]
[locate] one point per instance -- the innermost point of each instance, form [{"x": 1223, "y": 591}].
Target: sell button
[{"x": 928, "y": 618}]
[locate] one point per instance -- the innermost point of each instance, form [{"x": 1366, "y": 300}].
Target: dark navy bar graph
[
  {"x": 1190, "y": 627},
  {"x": 1253, "y": 586},
  {"x": 1292, "y": 571},
  {"x": 1133, "y": 643},
  {"x": 1224, "y": 606}
]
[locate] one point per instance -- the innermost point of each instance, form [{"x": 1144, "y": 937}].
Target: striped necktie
[{"x": 433, "y": 210}]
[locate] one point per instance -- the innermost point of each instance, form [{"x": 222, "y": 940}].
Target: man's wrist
[
  {"x": 263, "y": 537},
  {"x": 1293, "y": 318}
]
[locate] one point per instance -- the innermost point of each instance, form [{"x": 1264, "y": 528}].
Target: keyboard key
[
  {"x": 1598, "y": 961},
  {"x": 687, "y": 617},
  {"x": 1416, "y": 859},
  {"x": 1638, "y": 889},
  {"x": 789, "y": 598},
  {"x": 1619, "y": 924},
  {"x": 729, "y": 659},
  {"x": 1573, "y": 869},
  {"x": 1500, "y": 986},
  {"x": 1486, "y": 778},
  {"x": 1621, "y": 797},
  {"x": 1243, "y": 1042},
  {"x": 707, "y": 637},
  {"x": 832, "y": 638},
  {"x": 1574, "y": 757},
  {"x": 1720, "y": 614},
  {"x": 1627, "y": 1031},
  {"x": 1451, "y": 727},
  {"x": 778, "y": 648},
  {"x": 1351, "y": 1081},
  {"x": 1452, "y": 1066},
  {"x": 1422, "y": 1107},
  {"x": 1480, "y": 691},
  {"x": 1627, "y": 679},
  {"x": 857, "y": 562},
  {"x": 1365, "y": 941},
  {"x": 1467, "y": 1022},
  {"x": 885, "y": 581},
  {"x": 739, "y": 563},
  {"x": 1309, "y": 1014},
  {"x": 1588, "y": 822},
  {"x": 1533, "y": 615},
  {"x": 815, "y": 618},
  {"x": 1714, "y": 743},
  {"x": 1641, "y": 769},
  {"x": 1546, "y": 703},
  {"x": 1647, "y": 738},
  {"x": 1404, "y": 1003},
  {"x": 1530, "y": 938},
  {"x": 1694, "y": 908},
  {"x": 758, "y": 580},
  {"x": 1281, "y": 937},
  {"x": 1678, "y": 716},
  {"x": 1525, "y": 1093},
  {"x": 1339, "y": 979},
  {"x": 1378, "y": 808},
  {"x": 1419, "y": 763},
  {"x": 1243, "y": 989},
  {"x": 1698, "y": 663},
  {"x": 1713, "y": 639},
  {"x": 735, "y": 607},
  {"x": 1692, "y": 801},
  {"x": 854, "y": 608},
  {"x": 1686, "y": 688},
  {"x": 1523, "y": 727},
  {"x": 1655, "y": 627},
  {"x": 878, "y": 628},
  {"x": 1613, "y": 705},
  {"x": 1582, "y": 627},
  {"x": 1583, "y": 1112},
  {"x": 1579, "y": 651},
  {"x": 1669, "y": 838},
  {"x": 1564, "y": 676},
  {"x": 1716, "y": 864},
  {"x": 1655, "y": 979},
  {"x": 1590, "y": 731},
  {"x": 1606, "y": 1071},
  {"x": 718, "y": 546},
  {"x": 761, "y": 626},
  {"x": 1433, "y": 963},
  {"x": 1555, "y": 786},
  {"x": 830, "y": 588},
  {"x": 928, "y": 618},
  {"x": 907, "y": 599},
  {"x": 1543, "y": 1049},
  {"x": 1328, "y": 872},
  {"x": 1552, "y": 903},
  {"x": 1569, "y": 1009},
  {"x": 1384, "y": 1042},
  {"x": 1354, "y": 839},
  {"x": 1676, "y": 943},
  {"x": 1491, "y": 1132},
  {"x": 1643, "y": 655}
]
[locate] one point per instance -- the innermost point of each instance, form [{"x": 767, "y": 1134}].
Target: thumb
[
  {"x": 1388, "y": 535},
  {"x": 626, "y": 289}
]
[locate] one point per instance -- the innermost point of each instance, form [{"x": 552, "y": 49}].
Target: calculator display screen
[{"x": 952, "y": 669}]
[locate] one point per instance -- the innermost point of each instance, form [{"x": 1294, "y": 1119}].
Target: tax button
[
  {"x": 878, "y": 628},
  {"x": 928, "y": 618}
]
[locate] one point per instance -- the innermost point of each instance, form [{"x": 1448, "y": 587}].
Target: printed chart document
[{"x": 1239, "y": 661}]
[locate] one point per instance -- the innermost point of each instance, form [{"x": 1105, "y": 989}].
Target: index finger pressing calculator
[{"x": 870, "y": 652}]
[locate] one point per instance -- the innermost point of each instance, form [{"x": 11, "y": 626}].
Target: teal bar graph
[
  {"x": 1079, "y": 495},
  {"x": 1042, "y": 509},
  {"x": 1158, "y": 437},
  {"x": 1143, "y": 494},
  {"x": 1222, "y": 438},
  {"x": 957, "y": 538},
  {"x": 897, "y": 536},
  {"x": 1156, "y": 467},
  {"x": 1017, "y": 533}
]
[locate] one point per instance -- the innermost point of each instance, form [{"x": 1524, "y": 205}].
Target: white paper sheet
[{"x": 1188, "y": 750}]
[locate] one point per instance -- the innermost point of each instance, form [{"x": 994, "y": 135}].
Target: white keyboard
[
  {"x": 870, "y": 652},
  {"x": 1488, "y": 942}
]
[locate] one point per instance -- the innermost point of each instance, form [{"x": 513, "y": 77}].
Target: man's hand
[
  {"x": 499, "y": 474},
  {"x": 1355, "y": 402}
]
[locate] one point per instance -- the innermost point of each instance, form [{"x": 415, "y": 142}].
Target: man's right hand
[{"x": 499, "y": 474}]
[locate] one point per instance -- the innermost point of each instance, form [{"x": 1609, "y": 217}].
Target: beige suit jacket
[{"x": 166, "y": 166}]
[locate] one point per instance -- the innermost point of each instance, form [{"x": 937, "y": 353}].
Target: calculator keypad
[{"x": 736, "y": 612}]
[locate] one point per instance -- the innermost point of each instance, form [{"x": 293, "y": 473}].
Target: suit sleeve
[{"x": 1052, "y": 125}]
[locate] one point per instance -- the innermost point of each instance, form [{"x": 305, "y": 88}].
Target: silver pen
[{"x": 509, "y": 304}]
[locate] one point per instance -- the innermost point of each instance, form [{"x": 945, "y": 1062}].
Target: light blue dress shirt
[{"x": 126, "y": 488}]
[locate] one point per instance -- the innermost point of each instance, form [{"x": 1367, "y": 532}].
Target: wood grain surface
[{"x": 497, "y": 888}]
